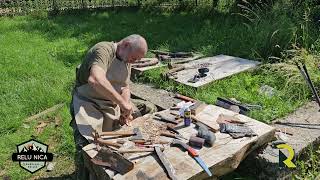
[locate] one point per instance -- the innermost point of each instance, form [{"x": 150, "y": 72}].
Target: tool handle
[
  {"x": 138, "y": 150},
  {"x": 168, "y": 134},
  {"x": 192, "y": 152},
  {"x": 108, "y": 143},
  {"x": 314, "y": 91},
  {"x": 185, "y": 98},
  {"x": 171, "y": 128},
  {"x": 116, "y": 134},
  {"x": 166, "y": 119}
]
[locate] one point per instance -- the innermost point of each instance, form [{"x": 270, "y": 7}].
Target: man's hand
[
  {"x": 126, "y": 109},
  {"x": 126, "y": 120}
]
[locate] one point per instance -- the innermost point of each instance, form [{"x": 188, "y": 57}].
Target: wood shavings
[{"x": 150, "y": 128}]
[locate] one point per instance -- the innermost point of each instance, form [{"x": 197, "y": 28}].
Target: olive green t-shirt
[{"x": 101, "y": 54}]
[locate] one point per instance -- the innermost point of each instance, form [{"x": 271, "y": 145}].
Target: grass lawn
[{"x": 39, "y": 55}]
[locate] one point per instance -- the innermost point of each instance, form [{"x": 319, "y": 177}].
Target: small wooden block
[
  {"x": 198, "y": 107},
  {"x": 224, "y": 118}
]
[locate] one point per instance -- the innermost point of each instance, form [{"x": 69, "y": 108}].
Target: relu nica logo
[{"x": 32, "y": 155}]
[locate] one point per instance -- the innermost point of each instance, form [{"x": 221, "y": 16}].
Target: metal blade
[
  {"x": 203, "y": 165},
  {"x": 170, "y": 170}
]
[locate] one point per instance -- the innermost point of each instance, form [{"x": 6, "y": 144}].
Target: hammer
[{"x": 99, "y": 140}]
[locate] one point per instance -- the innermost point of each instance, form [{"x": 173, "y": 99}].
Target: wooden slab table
[
  {"x": 222, "y": 158},
  {"x": 220, "y": 66}
]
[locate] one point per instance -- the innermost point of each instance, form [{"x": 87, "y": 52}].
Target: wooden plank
[
  {"x": 223, "y": 157},
  {"x": 220, "y": 66},
  {"x": 210, "y": 123}
]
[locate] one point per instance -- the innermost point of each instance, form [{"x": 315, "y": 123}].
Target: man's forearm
[
  {"x": 105, "y": 89},
  {"x": 125, "y": 94}
]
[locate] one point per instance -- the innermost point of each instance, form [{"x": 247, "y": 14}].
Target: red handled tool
[{"x": 193, "y": 153}]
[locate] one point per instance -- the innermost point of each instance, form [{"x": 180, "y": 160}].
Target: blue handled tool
[{"x": 194, "y": 154}]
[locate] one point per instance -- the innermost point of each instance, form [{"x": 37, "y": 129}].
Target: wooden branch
[{"x": 45, "y": 112}]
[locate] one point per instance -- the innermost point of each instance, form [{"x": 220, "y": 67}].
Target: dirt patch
[{"x": 161, "y": 98}]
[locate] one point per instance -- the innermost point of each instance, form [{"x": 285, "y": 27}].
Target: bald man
[
  {"x": 101, "y": 97},
  {"x": 99, "y": 59}
]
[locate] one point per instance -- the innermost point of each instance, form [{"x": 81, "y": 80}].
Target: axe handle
[
  {"x": 169, "y": 134},
  {"x": 136, "y": 150},
  {"x": 144, "y": 142},
  {"x": 116, "y": 134},
  {"x": 108, "y": 143}
]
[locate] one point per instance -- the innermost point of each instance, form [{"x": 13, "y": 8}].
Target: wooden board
[
  {"x": 221, "y": 66},
  {"x": 222, "y": 158}
]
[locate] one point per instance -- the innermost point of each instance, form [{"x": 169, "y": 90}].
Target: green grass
[
  {"x": 244, "y": 87},
  {"x": 309, "y": 168},
  {"x": 39, "y": 55}
]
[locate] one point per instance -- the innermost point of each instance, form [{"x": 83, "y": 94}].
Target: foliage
[{"x": 309, "y": 168}]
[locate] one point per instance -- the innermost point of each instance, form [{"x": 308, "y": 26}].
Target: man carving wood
[{"x": 101, "y": 97}]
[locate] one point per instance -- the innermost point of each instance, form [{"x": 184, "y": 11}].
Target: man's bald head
[{"x": 132, "y": 48}]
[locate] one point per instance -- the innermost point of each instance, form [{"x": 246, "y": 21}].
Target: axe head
[{"x": 138, "y": 135}]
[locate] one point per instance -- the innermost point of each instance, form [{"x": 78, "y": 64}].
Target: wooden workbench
[{"x": 222, "y": 158}]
